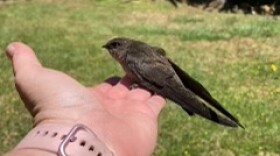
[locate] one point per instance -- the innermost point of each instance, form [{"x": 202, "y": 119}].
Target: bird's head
[{"x": 117, "y": 47}]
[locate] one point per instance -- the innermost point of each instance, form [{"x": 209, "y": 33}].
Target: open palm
[{"x": 125, "y": 120}]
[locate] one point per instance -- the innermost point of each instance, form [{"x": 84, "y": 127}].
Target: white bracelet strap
[{"x": 75, "y": 140}]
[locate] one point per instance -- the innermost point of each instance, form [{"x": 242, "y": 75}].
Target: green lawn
[{"x": 232, "y": 55}]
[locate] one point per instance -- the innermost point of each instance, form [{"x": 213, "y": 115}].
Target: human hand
[{"x": 125, "y": 120}]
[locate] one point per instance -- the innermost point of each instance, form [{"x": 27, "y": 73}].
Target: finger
[
  {"x": 23, "y": 58},
  {"x": 139, "y": 94},
  {"x": 121, "y": 89},
  {"x": 107, "y": 85},
  {"x": 156, "y": 103}
]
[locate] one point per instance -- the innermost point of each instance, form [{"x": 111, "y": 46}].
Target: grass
[{"x": 232, "y": 55}]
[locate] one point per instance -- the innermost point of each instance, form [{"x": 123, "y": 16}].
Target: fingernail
[{"x": 10, "y": 50}]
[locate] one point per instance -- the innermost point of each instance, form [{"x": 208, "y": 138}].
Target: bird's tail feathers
[{"x": 192, "y": 104}]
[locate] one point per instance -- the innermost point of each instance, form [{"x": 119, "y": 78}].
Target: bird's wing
[
  {"x": 200, "y": 91},
  {"x": 160, "y": 51},
  {"x": 150, "y": 65},
  {"x": 156, "y": 74}
]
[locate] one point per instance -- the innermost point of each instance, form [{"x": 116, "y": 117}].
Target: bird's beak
[{"x": 105, "y": 46}]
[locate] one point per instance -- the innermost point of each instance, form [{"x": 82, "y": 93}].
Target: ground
[{"x": 235, "y": 56}]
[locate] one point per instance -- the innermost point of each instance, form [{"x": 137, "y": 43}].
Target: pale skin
[{"x": 124, "y": 119}]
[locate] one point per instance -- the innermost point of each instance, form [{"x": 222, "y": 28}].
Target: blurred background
[{"x": 235, "y": 56}]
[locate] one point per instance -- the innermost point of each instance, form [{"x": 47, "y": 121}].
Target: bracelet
[{"x": 64, "y": 140}]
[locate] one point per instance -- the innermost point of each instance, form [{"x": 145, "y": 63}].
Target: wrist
[{"x": 58, "y": 139}]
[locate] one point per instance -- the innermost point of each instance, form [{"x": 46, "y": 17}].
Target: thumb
[{"x": 22, "y": 57}]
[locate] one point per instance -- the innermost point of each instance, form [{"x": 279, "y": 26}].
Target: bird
[{"x": 150, "y": 68}]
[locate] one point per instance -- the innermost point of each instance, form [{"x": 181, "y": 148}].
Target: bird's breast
[{"x": 129, "y": 73}]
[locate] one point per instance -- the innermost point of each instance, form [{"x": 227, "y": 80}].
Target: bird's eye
[{"x": 115, "y": 44}]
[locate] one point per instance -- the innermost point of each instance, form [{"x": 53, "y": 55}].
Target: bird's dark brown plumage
[{"x": 151, "y": 69}]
